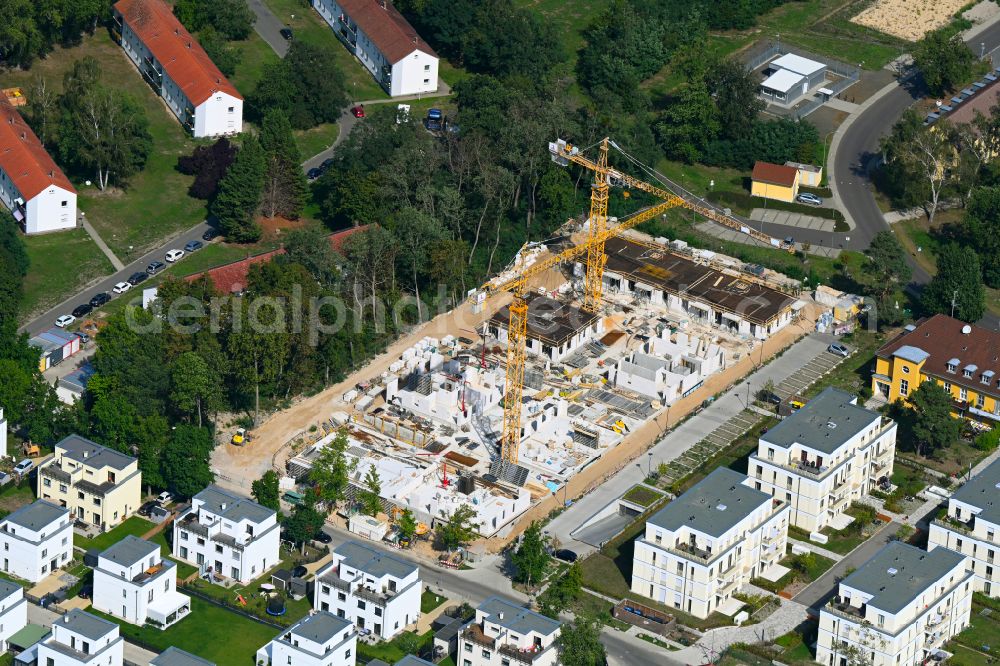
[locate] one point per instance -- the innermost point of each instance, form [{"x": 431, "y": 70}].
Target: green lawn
[
  {"x": 61, "y": 264},
  {"x": 430, "y": 600},
  {"x": 135, "y": 526},
  {"x": 642, "y": 496},
  {"x": 804, "y": 568},
  {"x": 316, "y": 140},
  {"x": 569, "y": 19},
  {"x": 394, "y": 650},
  {"x": 254, "y": 55},
  {"x": 183, "y": 568},
  {"x": 966, "y": 656}
]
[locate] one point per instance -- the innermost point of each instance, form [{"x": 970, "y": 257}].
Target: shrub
[{"x": 988, "y": 441}]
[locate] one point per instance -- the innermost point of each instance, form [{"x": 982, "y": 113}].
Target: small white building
[
  {"x": 372, "y": 589},
  {"x": 386, "y": 44},
  {"x": 971, "y": 527},
  {"x": 899, "y": 607},
  {"x": 173, "y": 62},
  {"x": 790, "y": 76},
  {"x": 555, "y": 329},
  {"x": 227, "y": 535},
  {"x": 503, "y": 633},
  {"x": 35, "y": 190},
  {"x": 133, "y": 582},
  {"x": 319, "y": 639},
  {"x": 13, "y": 611},
  {"x": 36, "y": 540},
  {"x": 81, "y": 639},
  {"x": 669, "y": 369}
]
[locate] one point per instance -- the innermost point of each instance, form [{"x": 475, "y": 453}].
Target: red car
[{"x": 358, "y": 111}]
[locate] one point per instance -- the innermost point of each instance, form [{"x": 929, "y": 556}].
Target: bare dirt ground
[{"x": 908, "y": 19}]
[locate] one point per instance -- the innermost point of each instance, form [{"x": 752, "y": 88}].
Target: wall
[
  {"x": 414, "y": 74},
  {"x": 213, "y": 116},
  {"x": 46, "y": 211}
]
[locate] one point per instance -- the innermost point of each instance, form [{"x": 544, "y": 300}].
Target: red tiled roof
[
  {"x": 232, "y": 278},
  {"x": 386, "y": 28},
  {"x": 23, "y": 157},
  {"x": 942, "y": 338},
  {"x": 776, "y": 174},
  {"x": 982, "y": 101},
  {"x": 179, "y": 53}
]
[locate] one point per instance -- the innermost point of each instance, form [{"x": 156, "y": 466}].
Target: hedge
[{"x": 742, "y": 203}]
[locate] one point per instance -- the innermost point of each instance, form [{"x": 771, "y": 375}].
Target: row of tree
[
  {"x": 215, "y": 23},
  {"x": 29, "y": 28}
]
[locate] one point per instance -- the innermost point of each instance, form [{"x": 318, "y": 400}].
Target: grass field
[
  {"x": 569, "y": 19},
  {"x": 254, "y": 55},
  {"x": 134, "y": 526},
  {"x": 61, "y": 264},
  {"x": 316, "y": 140}
]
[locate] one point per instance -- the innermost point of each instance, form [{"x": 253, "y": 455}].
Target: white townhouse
[
  {"x": 13, "y": 611},
  {"x": 319, "y": 639},
  {"x": 173, "y": 62},
  {"x": 133, "y": 582},
  {"x": 386, "y": 44},
  {"x": 709, "y": 542},
  {"x": 81, "y": 639},
  {"x": 897, "y": 609},
  {"x": 503, "y": 633},
  {"x": 824, "y": 456},
  {"x": 971, "y": 527},
  {"x": 229, "y": 535},
  {"x": 36, "y": 540},
  {"x": 372, "y": 589},
  {"x": 35, "y": 190},
  {"x": 174, "y": 656}
]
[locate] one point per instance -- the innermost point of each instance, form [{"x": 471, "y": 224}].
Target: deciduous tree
[
  {"x": 267, "y": 491},
  {"x": 407, "y": 524},
  {"x": 194, "y": 385},
  {"x": 331, "y": 471},
  {"x": 944, "y": 60},
  {"x": 982, "y": 226},
  {"x": 580, "y": 643},
  {"x": 459, "y": 529},
  {"x": 933, "y": 425},
  {"x": 187, "y": 465},
  {"x": 531, "y": 559},
  {"x": 886, "y": 268},
  {"x": 208, "y": 164},
  {"x": 371, "y": 496},
  {"x": 959, "y": 282}
]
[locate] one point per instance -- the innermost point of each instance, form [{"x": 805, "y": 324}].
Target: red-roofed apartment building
[
  {"x": 178, "y": 68},
  {"x": 35, "y": 190},
  {"x": 385, "y": 43}
]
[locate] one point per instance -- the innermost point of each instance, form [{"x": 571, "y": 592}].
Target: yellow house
[
  {"x": 963, "y": 358},
  {"x": 774, "y": 181}
]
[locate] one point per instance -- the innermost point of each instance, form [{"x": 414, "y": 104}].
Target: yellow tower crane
[{"x": 593, "y": 247}]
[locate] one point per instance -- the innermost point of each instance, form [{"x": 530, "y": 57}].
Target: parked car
[
  {"x": 155, "y": 267},
  {"x": 5, "y": 478},
  {"x": 769, "y": 397},
  {"x": 193, "y": 246},
  {"x": 566, "y": 555},
  {"x": 323, "y": 537},
  {"x": 137, "y": 277},
  {"x": 100, "y": 299},
  {"x": 299, "y": 571},
  {"x": 24, "y": 467},
  {"x": 65, "y": 320},
  {"x": 147, "y": 507},
  {"x": 122, "y": 287},
  {"x": 209, "y": 234},
  {"x": 809, "y": 198},
  {"x": 286, "y": 32},
  {"x": 82, "y": 310},
  {"x": 165, "y": 498},
  {"x": 174, "y": 255},
  {"x": 84, "y": 338},
  {"x": 314, "y": 173},
  {"x": 358, "y": 111},
  {"x": 327, "y": 163},
  {"x": 839, "y": 350}
]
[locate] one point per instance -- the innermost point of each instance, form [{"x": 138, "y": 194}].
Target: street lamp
[
  {"x": 748, "y": 395},
  {"x": 649, "y": 464}
]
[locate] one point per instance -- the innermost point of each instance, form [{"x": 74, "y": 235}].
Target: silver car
[{"x": 810, "y": 199}]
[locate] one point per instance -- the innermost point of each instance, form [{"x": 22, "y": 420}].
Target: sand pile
[{"x": 908, "y": 19}]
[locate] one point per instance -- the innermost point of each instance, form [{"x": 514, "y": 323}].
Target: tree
[
  {"x": 958, "y": 285},
  {"x": 187, "y": 466},
  {"x": 233, "y": 19},
  {"x": 194, "y": 385},
  {"x": 266, "y": 490},
  {"x": 982, "y": 226},
  {"x": 531, "y": 559},
  {"x": 240, "y": 192},
  {"x": 285, "y": 189},
  {"x": 734, "y": 89},
  {"x": 41, "y": 113},
  {"x": 416, "y": 232},
  {"x": 562, "y": 591},
  {"x": 208, "y": 164},
  {"x": 459, "y": 529},
  {"x": 944, "y": 60},
  {"x": 306, "y": 84},
  {"x": 310, "y": 247},
  {"x": 580, "y": 643},
  {"x": 886, "y": 268},
  {"x": 688, "y": 124},
  {"x": 331, "y": 471},
  {"x": 305, "y": 522},
  {"x": 407, "y": 524},
  {"x": 922, "y": 154},
  {"x": 218, "y": 50},
  {"x": 371, "y": 496},
  {"x": 933, "y": 425}
]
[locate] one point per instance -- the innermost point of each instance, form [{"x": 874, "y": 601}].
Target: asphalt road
[{"x": 268, "y": 26}]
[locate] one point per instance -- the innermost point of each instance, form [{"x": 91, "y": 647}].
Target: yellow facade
[
  {"x": 776, "y": 192},
  {"x": 896, "y": 378}
]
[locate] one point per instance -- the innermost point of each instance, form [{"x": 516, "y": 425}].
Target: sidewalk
[
  {"x": 818, "y": 549},
  {"x": 102, "y": 246}
]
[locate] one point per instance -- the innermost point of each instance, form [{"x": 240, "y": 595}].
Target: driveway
[{"x": 268, "y": 26}]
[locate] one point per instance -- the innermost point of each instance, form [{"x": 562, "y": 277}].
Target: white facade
[
  {"x": 371, "y": 589},
  {"x": 898, "y": 609},
  {"x": 555, "y": 329},
  {"x": 52, "y": 209},
  {"x": 228, "y": 535},
  {"x": 708, "y": 543},
  {"x": 669, "y": 369},
  {"x": 36, "y": 540},
  {"x": 3, "y": 435},
  {"x": 971, "y": 527},
  {"x": 451, "y": 395},
  {"x": 320, "y": 639},
  {"x": 13, "y": 611},
  {"x": 503, "y": 633},
  {"x": 821, "y": 458},
  {"x": 133, "y": 582},
  {"x": 220, "y": 114},
  {"x": 81, "y": 639}
]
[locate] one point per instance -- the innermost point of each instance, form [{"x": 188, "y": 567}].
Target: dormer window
[
  {"x": 969, "y": 370},
  {"x": 953, "y": 365},
  {"x": 987, "y": 377}
]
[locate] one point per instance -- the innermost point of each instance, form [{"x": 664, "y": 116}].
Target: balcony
[
  {"x": 812, "y": 468},
  {"x": 474, "y": 634},
  {"x": 956, "y": 525},
  {"x": 379, "y": 598},
  {"x": 525, "y": 656},
  {"x": 153, "y": 571},
  {"x": 839, "y": 607},
  {"x": 689, "y": 550}
]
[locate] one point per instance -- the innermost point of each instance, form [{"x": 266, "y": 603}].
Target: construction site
[{"x": 572, "y": 353}]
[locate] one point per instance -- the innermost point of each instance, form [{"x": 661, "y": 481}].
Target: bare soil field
[{"x": 908, "y": 19}]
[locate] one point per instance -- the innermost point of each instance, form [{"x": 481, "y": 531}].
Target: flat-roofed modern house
[
  {"x": 374, "y": 590},
  {"x": 81, "y": 639},
  {"x": 319, "y": 639},
  {"x": 36, "y": 540},
  {"x": 133, "y": 582},
  {"x": 824, "y": 456},
  {"x": 176, "y": 66},
  {"x": 35, "y": 190},
  {"x": 504, "y": 632},
  {"x": 791, "y": 76},
  {"x": 706, "y": 544},
  {"x": 972, "y": 526},
  {"x": 13, "y": 612},
  {"x": 899, "y": 607},
  {"x": 386, "y": 44}
]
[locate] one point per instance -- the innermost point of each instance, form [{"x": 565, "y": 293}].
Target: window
[
  {"x": 904, "y": 387},
  {"x": 62, "y": 487},
  {"x": 760, "y": 471},
  {"x": 967, "y": 373},
  {"x": 881, "y": 620},
  {"x": 47, "y": 482},
  {"x": 951, "y": 366},
  {"x": 231, "y": 109},
  {"x": 184, "y": 535},
  {"x": 427, "y": 81},
  {"x": 985, "y": 379},
  {"x": 906, "y": 369},
  {"x": 341, "y": 596},
  {"x": 235, "y": 573},
  {"x": 486, "y": 654},
  {"x": 980, "y": 401},
  {"x": 947, "y": 387},
  {"x": 65, "y": 204},
  {"x": 468, "y": 648},
  {"x": 79, "y": 495},
  {"x": 218, "y": 548},
  {"x": 378, "y": 612},
  {"x": 427, "y": 68},
  {"x": 361, "y": 604},
  {"x": 963, "y": 394}
]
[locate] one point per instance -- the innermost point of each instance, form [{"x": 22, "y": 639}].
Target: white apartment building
[
  {"x": 173, "y": 656},
  {"x": 386, "y": 44},
  {"x": 897, "y": 609},
  {"x": 971, "y": 527},
  {"x": 98, "y": 485},
  {"x": 372, "y": 589},
  {"x": 824, "y": 456},
  {"x": 36, "y": 540},
  {"x": 173, "y": 62},
  {"x": 81, "y": 639},
  {"x": 35, "y": 190},
  {"x": 503, "y": 633},
  {"x": 13, "y": 611},
  {"x": 708, "y": 543},
  {"x": 319, "y": 639},
  {"x": 228, "y": 535},
  {"x": 133, "y": 582}
]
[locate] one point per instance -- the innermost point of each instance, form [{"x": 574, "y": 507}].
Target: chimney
[
  {"x": 24, "y": 135},
  {"x": 189, "y": 44},
  {"x": 223, "y": 506},
  {"x": 500, "y": 615},
  {"x": 52, "y": 174}
]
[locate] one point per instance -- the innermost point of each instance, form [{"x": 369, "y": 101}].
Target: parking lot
[{"x": 808, "y": 374}]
